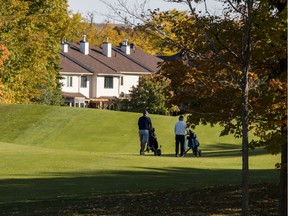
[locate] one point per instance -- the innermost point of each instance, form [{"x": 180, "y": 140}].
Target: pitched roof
[
  {"x": 97, "y": 63},
  {"x": 69, "y": 66}
]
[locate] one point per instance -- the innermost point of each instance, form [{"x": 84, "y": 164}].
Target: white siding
[
  {"x": 73, "y": 88},
  {"x": 107, "y": 92},
  {"x": 76, "y": 85},
  {"x": 86, "y": 91},
  {"x": 128, "y": 82},
  {"x": 95, "y": 85}
]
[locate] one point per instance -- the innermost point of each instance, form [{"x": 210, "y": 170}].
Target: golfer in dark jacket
[{"x": 144, "y": 125}]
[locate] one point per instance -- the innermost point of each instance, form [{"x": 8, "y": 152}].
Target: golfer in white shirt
[{"x": 179, "y": 130}]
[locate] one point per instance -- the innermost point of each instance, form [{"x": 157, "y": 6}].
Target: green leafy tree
[{"x": 151, "y": 93}]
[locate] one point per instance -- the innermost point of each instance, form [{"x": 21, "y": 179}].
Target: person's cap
[{"x": 145, "y": 112}]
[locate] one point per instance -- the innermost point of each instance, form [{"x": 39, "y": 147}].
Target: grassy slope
[{"x": 49, "y": 152}]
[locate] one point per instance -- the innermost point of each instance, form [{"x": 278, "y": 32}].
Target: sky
[{"x": 98, "y": 7}]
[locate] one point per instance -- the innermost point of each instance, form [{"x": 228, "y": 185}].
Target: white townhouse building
[{"x": 96, "y": 77}]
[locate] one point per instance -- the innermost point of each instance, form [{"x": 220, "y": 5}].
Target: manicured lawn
[{"x": 48, "y": 153}]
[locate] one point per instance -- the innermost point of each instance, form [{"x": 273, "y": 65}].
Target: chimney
[
  {"x": 64, "y": 47},
  {"x": 133, "y": 47},
  {"x": 125, "y": 48},
  {"x": 84, "y": 46},
  {"x": 107, "y": 48}
]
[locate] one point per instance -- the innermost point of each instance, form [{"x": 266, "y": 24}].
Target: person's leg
[
  {"x": 144, "y": 138},
  {"x": 141, "y": 135},
  {"x": 176, "y": 145},
  {"x": 182, "y": 142},
  {"x": 142, "y": 148}
]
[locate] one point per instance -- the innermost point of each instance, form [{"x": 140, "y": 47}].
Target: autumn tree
[
  {"x": 133, "y": 16},
  {"x": 76, "y": 27},
  {"x": 32, "y": 31},
  {"x": 232, "y": 72},
  {"x": 6, "y": 96}
]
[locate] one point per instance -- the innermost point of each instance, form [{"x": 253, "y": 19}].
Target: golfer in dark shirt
[{"x": 144, "y": 125}]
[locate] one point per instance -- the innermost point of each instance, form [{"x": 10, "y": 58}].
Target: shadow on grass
[
  {"x": 221, "y": 150},
  {"x": 221, "y": 146},
  {"x": 65, "y": 185}
]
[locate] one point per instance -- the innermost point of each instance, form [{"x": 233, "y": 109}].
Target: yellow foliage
[
  {"x": 6, "y": 96},
  {"x": 4, "y": 54}
]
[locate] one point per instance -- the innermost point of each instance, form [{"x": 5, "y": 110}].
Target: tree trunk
[
  {"x": 282, "y": 209},
  {"x": 245, "y": 156},
  {"x": 245, "y": 150},
  {"x": 245, "y": 106}
]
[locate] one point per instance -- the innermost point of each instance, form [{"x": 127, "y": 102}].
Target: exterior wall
[
  {"x": 73, "y": 88},
  {"x": 128, "y": 82},
  {"x": 76, "y": 85},
  {"x": 85, "y": 91},
  {"x": 95, "y": 85},
  {"x": 107, "y": 92}
]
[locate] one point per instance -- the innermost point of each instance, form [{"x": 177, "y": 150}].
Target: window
[
  {"x": 121, "y": 81},
  {"x": 108, "y": 82},
  {"x": 83, "y": 81},
  {"x": 69, "y": 81}
]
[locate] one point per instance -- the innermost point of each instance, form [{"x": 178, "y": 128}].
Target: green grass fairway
[{"x": 51, "y": 152}]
